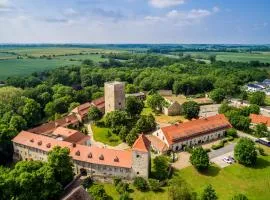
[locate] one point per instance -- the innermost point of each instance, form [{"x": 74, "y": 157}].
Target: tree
[
  {"x": 245, "y": 152},
  {"x": 146, "y": 123},
  {"x": 61, "y": 163},
  {"x": 199, "y": 158},
  {"x": 261, "y": 130},
  {"x": 257, "y": 98},
  {"x": 237, "y": 120},
  {"x": 254, "y": 109},
  {"x": 209, "y": 193},
  {"x": 123, "y": 133},
  {"x": 155, "y": 101},
  {"x": 243, "y": 95},
  {"x": 191, "y": 109},
  {"x": 239, "y": 197},
  {"x": 232, "y": 132},
  {"x": 134, "y": 106},
  {"x": 131, "y": 88},
  {"x": 132, "y": 136},
  {"x": 140, "y": 183},
  {"x": 179, "y": 190},
  {"x": 94, "y": 114},
  {"x": 18, "y": 122},
  {"x": 161, "y": 165},
  {"x": 88, "y": 62},
  {"x": 154, "y": 184},
  {"x": 218, "y": 95},
  {"x": 116, "y": 118},
  {"x": 98, "y": 192},
  {"x": 73, "y": 105},
  {"x": 212, "y": 58},
  {"x": 31, "y": 111}
]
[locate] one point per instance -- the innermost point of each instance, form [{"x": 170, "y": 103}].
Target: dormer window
[
  {"x": 32, "y": 140},
  {"x": 39, "y": 142},
  {"x": 90, "y": 155},
  {"x": 116, "y": 159},
  {"x": 48, "y": 145},
  {"x": 77, "y": 153},
  {"x": 101, "y": 157}
]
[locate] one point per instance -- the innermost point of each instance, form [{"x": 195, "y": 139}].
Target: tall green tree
[
  {"x": 155, "y": 101},
  {"x": 199, "y": 158},
  {"x": 209, "y": 193},
  {"x": 245, "y": 152},
  {"x": 161, "y": 166},
  {"x": 218, "y": 95},
  {"x": 94, "y": 114},
  {"x": 191, "y": 109},
  {"x": 61, "y": 163},
  {"x": 134, "y": 106},
  {"x": 257, "y": 98}
]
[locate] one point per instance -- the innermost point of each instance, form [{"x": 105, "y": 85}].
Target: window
[
  {"x": 138, "y": 172},
  {"x": 119, "y": 103},
  {"x": 137, "y": 156}
]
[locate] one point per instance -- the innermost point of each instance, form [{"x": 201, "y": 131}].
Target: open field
[
  {"x": 31, "y": 61},
  {"x": 101, "y": 135},
  {"x": 253, "y": 182},
  {"x": 230, "y": 56}
]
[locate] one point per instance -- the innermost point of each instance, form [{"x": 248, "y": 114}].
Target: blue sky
[{"x": 135, "y": 21}]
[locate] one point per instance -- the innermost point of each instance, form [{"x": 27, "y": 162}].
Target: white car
[{"x": 227, "y": 160}]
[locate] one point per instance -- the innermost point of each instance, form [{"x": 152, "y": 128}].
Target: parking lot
[{"x": 219, "y": 160}]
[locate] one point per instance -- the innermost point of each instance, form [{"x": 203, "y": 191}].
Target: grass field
[
  {"x": 239, "y": 57},
  {"x": 252, "y": 182},
  {"x": 101, "y": 135},
  {"x": 11, "y": 66}
]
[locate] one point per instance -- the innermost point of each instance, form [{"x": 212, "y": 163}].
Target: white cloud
[
  {"x": 216, "y": 9},
  {"x": 70, "y": 12},
  {"x": 4, "y": 3},
  {"x": 165, "y": 3}
]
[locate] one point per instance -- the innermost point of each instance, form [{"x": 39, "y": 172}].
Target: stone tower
[
  {"x": 141, "y": 157},
  {"x": 114, "y": 96}
]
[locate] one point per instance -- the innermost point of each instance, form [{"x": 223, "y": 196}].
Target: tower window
[
  {"x": 137, "y": 156},
  {"x": 138, "y": 172},
  {"x": 119, "y": 103}
]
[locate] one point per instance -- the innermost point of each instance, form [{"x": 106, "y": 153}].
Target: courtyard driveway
[
  {"x": 220, "y": 152},
  {"x": 183, "y": 160},
  {"x": 218, "y": 160}
]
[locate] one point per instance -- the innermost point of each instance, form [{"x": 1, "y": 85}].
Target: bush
[
  {"x": 87, "y": 182},
  {"x": 154, "y": 184},
  {"x": 230, "y": 138},
  {"x": 140, "y": 183},
  {"x": 122, "y": 187},
  {"x": 116, "y": 180},
  {"x": 232, "y": 132},
  {"x": 98, "y": 192},
  {"x": 261, "y": 151},
  {"x": 207, "y": 150},
  {"x": 218, "y": 146}
]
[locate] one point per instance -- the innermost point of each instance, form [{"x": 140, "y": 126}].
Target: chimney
[{"x": 73, "y": 144}]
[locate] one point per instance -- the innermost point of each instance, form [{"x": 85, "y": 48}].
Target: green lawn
[
  {"x": 237, "y": 57},
  {"x": 101, "y": 135},
  {"x": 253, "y": 182}
]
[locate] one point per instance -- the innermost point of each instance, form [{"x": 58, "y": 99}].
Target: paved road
[
  {"x": 219, "y": 152},
  {"x": 242, "y": 134}
]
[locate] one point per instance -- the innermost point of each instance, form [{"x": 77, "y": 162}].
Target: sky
[{"x": 135, "y": 21}]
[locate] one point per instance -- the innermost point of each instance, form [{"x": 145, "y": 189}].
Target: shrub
[
  {"x": 87, "y": 182},
  {"x": 98, "y": 192},
  {"x": 122, "y": 187},
  {"x": 154, "y": 184},
  {"x": 140, "y": 183},
  {"x": 230, "y": 138},
  {"x": 231, "y": 132},
  {"x": 218, "y": 146},
  {"x": 116, "y": 180},
  {"x": 207, "y": 150},
  {"x": 261, "y": 151}
]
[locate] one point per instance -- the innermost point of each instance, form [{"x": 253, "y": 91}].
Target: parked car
[
  {"x": 231, "y": 158},
  {"x": 227, "y": 160}
]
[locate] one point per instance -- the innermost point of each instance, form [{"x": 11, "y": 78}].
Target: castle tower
[
  {"x": 114, "y": 96},
  {"x": 141, "y": 157}
]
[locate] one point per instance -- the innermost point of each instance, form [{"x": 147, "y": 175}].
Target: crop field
[
  {"x": 237, "y": 57},
  {"x": 30, "y": 59}
]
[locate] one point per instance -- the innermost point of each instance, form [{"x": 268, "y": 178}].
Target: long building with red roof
[{"x": 194, "y": 132}]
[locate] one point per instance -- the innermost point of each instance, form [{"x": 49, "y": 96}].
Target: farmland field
[
  {"x": 237, "y": 57},
  {"x": 30, "y": 60}
]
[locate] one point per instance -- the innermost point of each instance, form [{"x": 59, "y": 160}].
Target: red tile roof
[
  {"x": 260, "y": 119},
  {"x": 49, "y": 127},
  {"x": 178, "y": 132},
  {"x": 70, "y": 135},
  {"x": 99, "y": 103},
  {"x": 78, "y": 152},
  {"x": 157, "y": 143},
  {"x": 141, "y": 144}
]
